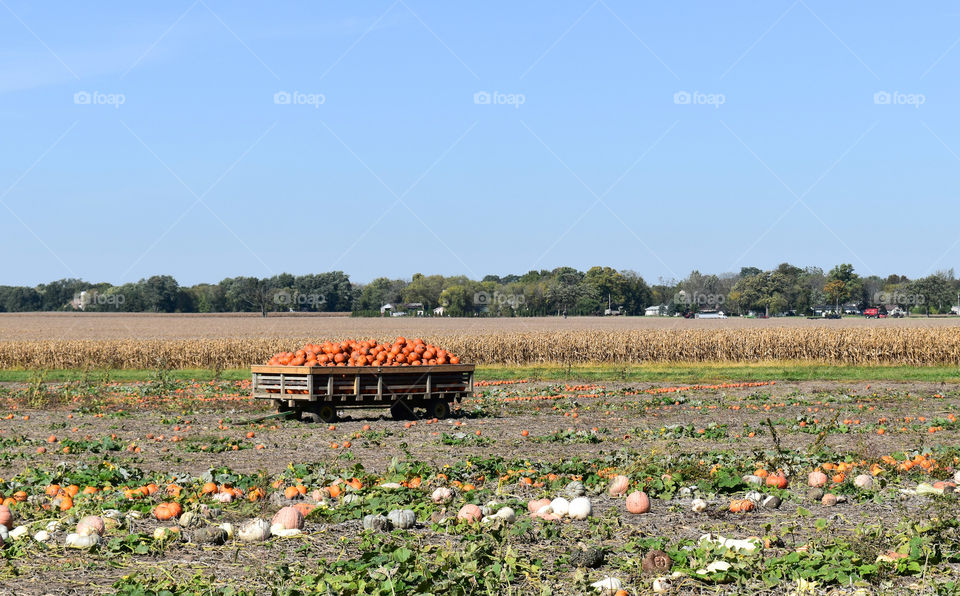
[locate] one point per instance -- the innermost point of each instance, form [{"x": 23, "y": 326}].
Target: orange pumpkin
[
  {"x": 742, "y": 505},
  {"x": 66, "y": 503},
  {"x": 777, "y": 481},
  {"x": 166, "y": 511},
  {"x": 304, "y": 508}
]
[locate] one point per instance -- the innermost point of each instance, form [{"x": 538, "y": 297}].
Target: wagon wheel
[
  {"x": 399, "y": 410},
  {"x": 438, "y": 408},
  {"x": 321, "y": 413}
]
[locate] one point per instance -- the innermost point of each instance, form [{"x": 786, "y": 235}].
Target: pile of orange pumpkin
[{"x": 402, "y": 352}]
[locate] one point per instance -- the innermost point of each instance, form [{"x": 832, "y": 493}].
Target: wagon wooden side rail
[{"x": 317, "y": 393}]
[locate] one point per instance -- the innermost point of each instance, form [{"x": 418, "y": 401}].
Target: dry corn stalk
[{"x": 906, "y": 346}]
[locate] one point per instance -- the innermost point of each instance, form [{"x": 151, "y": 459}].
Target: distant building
[
  {"x": 710, "y": 314},
  {"x": 655, "y": 311},
  {"x": 401, "y": 310},
  {"x": 439, "y": 311},
  {"x": 79, "y": 301}
]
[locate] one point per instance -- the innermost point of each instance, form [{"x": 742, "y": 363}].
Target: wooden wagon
[{"x": 317, "y": 393}]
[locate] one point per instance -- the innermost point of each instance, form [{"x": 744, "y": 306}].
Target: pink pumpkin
[
  {"x": 90, "y": 525},
  {"x": 6, "y": 517},
  {"x": 290, "y": 518},
  {"x": 545, "y": 516},
  {"x": 537, "y": 504},
  {"x": 817, "y": 479},
  {"x": 470, "y": 513},
  {"x": 638, "y": 502},
  {"x": 618, "y": 486}
]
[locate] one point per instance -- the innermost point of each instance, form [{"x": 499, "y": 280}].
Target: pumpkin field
[{"x": 533, "y": 487}]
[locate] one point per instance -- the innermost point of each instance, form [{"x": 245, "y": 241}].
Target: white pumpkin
[
  {"x": 580, "y": 508},
  {"x": 560, "y": 506},
  {"x": 282, "y": 532},
  {"x": 42, "y": 536},
  {"x": 78, "y": 541},
  {"x": 608, "y": 586},
  {"x": 228, "y": 528},
  {"x": 662, "y": 584},
  {"x": 441, "y": 494},
  {"x": 698, "y": 505},
  {"x": 255, "y": 530}
]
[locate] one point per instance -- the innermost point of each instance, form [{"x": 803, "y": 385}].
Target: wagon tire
[
  {"x": 321, "y": 413},
  {"x": 438, "y": 408},
  {"x": 399, "y": 410}
]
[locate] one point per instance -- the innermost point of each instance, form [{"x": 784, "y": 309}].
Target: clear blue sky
[{"x": 200, "y": 174}]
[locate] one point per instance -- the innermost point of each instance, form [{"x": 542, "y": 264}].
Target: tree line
[{"x": 561, "y": 291}]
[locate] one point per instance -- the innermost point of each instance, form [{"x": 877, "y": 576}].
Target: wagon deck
[{"x": 317, "y": 392}]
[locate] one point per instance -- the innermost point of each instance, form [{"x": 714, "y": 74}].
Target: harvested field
[{"x": 515, "y": 442}]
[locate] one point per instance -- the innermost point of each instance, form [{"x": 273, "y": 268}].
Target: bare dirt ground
[
  {"x": 580, "y": 429},
  {"x": 35, "y": 326}
]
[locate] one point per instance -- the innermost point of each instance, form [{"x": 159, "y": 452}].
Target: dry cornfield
[{"x": 882, "y": 345}]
